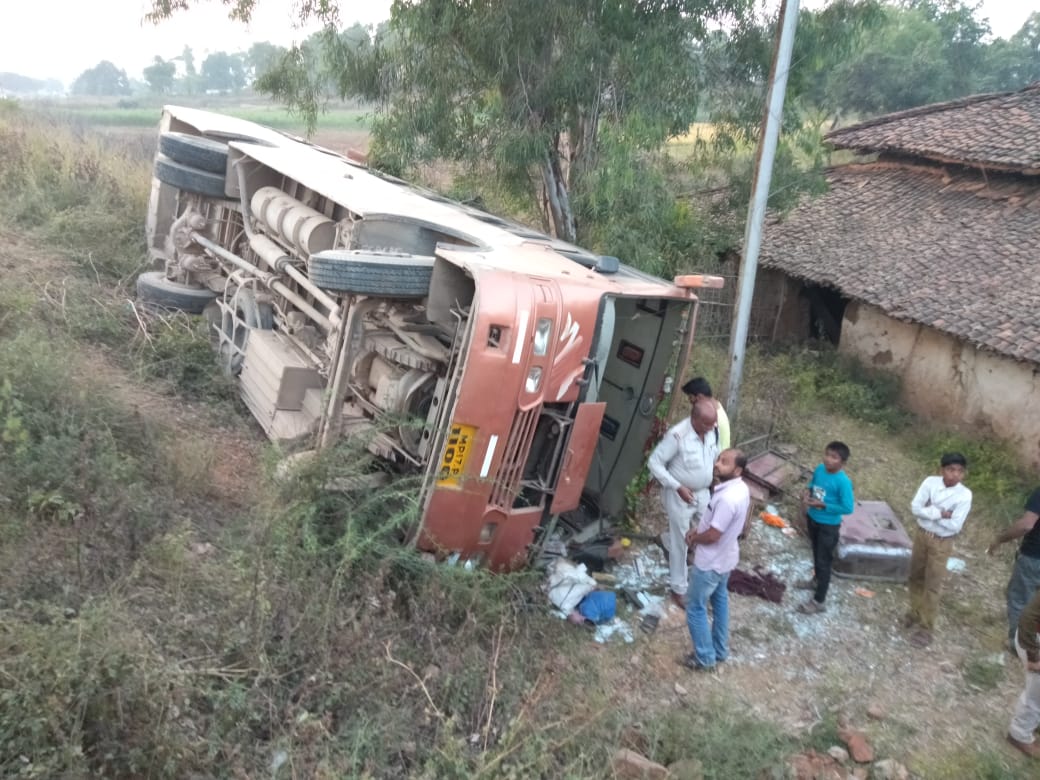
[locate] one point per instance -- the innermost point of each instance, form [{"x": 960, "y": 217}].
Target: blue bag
[{"x": 600, "y": 606}]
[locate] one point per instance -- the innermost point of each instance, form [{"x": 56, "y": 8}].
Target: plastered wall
[{"x": 943, "y": 378}]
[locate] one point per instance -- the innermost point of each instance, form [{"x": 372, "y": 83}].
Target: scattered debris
[
  {"x": 648, "y": 624},
  {"x": 680, "y": 690},
  {"x": 568, "y": 584},
  {"x": 615, "y": 628},
  {"x": 864, "y": 592},
  {"x": 856, "y": 741},
  {"x": 876, "y": 712},
  {"x": 956, "y": 565},
  {"x": 629, "y": 764},
  {"x": 646, "y": 569},
  {"x": 599, "y": 606},
  {"x": 838, "y": 753},
  {"x": 761, "y": 583}
]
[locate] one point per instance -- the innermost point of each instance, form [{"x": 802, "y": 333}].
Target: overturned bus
[{"x": 517, "y": 377}]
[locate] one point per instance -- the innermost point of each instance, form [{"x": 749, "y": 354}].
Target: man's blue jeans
[
  {"x": 708, "y": 587},
  {"x": 1025, "y": 579}
]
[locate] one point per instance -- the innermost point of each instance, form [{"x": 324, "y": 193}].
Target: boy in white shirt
[{"x": 941, "y": 506}]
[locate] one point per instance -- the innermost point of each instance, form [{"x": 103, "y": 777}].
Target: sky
[{"x": 62, "y": 38}]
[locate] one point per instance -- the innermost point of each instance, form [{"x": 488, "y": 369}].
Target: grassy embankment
[
  {"x": 154, "y": 625},
  {"x": 157, "y": 622}
]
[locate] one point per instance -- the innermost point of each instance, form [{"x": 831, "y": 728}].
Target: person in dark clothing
[
  {"x": 826, "y": 499},
  {"x": 1025, "y": 576},
  {"x": 1021, "y": 730}
]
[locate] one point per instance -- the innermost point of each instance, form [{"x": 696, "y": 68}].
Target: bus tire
[
  {"x": 371, "y": 273},
  {"x": 188, "y": 179},
  {"x": 155, "y": 291},
  {"x": 195, "y": 151}
]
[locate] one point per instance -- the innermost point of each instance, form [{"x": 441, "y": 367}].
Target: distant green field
[{"x": 339, "y": 118}]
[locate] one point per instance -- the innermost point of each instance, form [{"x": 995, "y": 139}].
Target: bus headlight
[
  {"x": 542, "y": 332},
  {"x": 534, "y": 379}
]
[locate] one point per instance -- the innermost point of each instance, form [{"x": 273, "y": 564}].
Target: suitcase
[{"x": 873, "y": 545}]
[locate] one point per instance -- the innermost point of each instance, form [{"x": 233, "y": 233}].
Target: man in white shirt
[
  {"x": 716, "y": 553},
  {"x": 683, "y": 463},
  {"x": 941, "y": 506}
]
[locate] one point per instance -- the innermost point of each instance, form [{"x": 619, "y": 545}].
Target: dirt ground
[
  {"x": 805, "y": 672},
  {"x": 230, "y": 446}
]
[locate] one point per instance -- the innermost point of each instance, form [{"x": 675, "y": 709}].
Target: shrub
[
  {"x": 177, "y": 348},
  {"x": 992, "y": 471},
  {"x": 825, "y": 377},
  {"x": 705, "y": 732},
  {"x": 90, "y": 696}
]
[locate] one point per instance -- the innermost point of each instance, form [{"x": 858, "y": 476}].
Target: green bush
[
  {"x": 88, "y": 695},
  {"x": 177, "y": 348},
  {"x": 992, "y": 471},
  {"x": 626, "y": 207},
  {"x": 824, "y": 377}
]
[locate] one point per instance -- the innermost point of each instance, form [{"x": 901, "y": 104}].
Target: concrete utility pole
[{"x": 759, "y": 197}]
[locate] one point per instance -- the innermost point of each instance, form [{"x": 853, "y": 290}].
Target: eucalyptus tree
[{"x": 524, "y": 87}]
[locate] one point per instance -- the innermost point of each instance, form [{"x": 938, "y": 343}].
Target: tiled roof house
[{"x": 923, "y": 257}]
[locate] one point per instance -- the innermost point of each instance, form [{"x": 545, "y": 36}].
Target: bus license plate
[{"x": 456, "y": 453}]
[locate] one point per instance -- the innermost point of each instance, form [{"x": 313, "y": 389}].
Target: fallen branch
[
  {"x": 227, "y": 674},
  {"x": 418, "y": 679},
  {"x": 140, "y": 322},
  {"x": 90, "y": 261},
  {"x": 59, "y": 303},
  {"x": 497, "y": 645}
]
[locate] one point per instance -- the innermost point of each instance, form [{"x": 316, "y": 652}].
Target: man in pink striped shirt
[{"x": 716, "y": 554}]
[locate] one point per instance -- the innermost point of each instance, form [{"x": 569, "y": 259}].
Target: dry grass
[{"x": 204, "y": 625}]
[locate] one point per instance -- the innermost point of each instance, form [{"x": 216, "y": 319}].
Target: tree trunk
[{"x": 556, "y": 200}]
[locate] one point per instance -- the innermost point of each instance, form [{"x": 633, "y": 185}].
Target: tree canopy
[
  {"x": 160, "y": 75},
  {"x": 563, "y": 109},
  {"x": 523, "y": 86},
  {"x": 223, "y": 72},
  {"x": 103, "y": 79}
]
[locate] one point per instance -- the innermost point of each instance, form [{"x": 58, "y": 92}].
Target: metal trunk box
[{"x": 873, "y": 544}]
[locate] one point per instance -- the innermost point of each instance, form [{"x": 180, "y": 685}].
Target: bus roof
[{"x": 375, "y": 196}]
